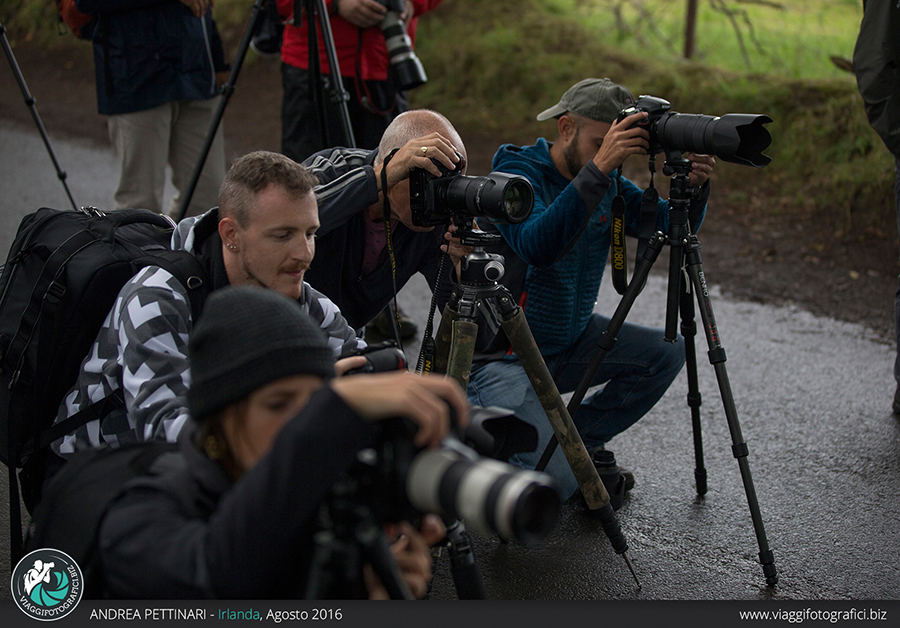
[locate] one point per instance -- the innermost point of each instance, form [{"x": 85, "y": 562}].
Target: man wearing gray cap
[{"x": 565, "y": 243}]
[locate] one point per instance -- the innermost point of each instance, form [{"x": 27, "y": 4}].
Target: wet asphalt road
[{"x": 813, "y": 399}]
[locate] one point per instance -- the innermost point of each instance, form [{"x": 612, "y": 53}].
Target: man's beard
[{"x": 570, "y": 157}]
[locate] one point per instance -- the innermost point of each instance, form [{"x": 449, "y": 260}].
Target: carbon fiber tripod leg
[{"x": 738, "y": 445}]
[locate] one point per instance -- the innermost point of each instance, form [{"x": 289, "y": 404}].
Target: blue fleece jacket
[{"x": 566, "y": 240}]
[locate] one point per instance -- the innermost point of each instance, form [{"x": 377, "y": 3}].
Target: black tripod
[
  {"x": 29, "y": 101},
  {"x": 685, "y": 257},
  {"x": 339, "y": 94},
  {"x": 478, "y": 291}
]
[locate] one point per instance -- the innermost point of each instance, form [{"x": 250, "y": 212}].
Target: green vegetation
[
  {"x": 494, "y": 65},
  {"x": 792, "y": 38},
  {"x": 502, "y": 62}
]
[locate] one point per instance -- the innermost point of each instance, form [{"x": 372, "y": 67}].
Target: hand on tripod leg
[{"x": 352, "y": 559}]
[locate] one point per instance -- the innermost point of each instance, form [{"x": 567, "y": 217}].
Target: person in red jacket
[{"x": 365, "y": 68}]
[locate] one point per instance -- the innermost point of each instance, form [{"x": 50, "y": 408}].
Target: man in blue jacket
[
  {"x": 565, "y": 243},
  {"x": 156, "y": 66}
]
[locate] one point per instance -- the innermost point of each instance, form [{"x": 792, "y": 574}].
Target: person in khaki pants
[{"x": 159, "y": 68}]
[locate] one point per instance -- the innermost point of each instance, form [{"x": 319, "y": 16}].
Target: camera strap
[
  {"x": 425, "y": 362},
  {"x": 646, "y": 228},
  {"x": 386, "y": 213}
]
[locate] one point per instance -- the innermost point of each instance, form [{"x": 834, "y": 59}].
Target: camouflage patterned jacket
[{"x": 140, "y": 352}]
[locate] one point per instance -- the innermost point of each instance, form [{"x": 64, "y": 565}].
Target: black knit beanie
[{"x": 246, "y": 338}]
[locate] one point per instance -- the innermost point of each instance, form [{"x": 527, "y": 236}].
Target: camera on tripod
[
  {"x": 400, "y": 482},
  {"x": 408, "y": 70},
  {"x": 738, "y": 138},
  {"x": 453, "y": 196}
]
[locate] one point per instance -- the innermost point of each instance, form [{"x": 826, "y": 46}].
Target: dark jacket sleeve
[
  {"x": 346, "y": 187},
  {"x": 876, "y": 62},
  {"x": 258, "y": 542}
]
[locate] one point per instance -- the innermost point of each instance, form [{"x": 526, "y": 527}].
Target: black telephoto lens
[
  {"x": 736, "y": 137},
  {"x": 500, "y": 197}
]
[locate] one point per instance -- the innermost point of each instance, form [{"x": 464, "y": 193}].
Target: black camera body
[
  {"x": 380, "y": 358},
  {"x": 738, "y": 138},
  {"x": 654, "y": 106},
  {"x": 458, "y": 198}
]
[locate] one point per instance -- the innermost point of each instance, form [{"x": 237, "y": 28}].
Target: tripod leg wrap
[
  {"x": 460, "y": 364},
  {"x": 583, "y": 468}
]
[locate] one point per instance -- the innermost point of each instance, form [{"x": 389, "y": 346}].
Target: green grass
[{"x": 792, "y": 38}]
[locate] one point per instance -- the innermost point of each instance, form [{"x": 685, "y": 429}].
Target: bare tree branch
[
  {"x": 765, "y": 3},
  {"x": 734, "y": 15}
]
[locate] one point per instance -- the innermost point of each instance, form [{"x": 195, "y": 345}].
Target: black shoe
[
  {"x": 897, "y": 400},
  {"x": 617, "y": 480}
]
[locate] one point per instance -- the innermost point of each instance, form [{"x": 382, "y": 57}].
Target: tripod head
[
  {"x": 676, "y": 164},
  {"x": 479, "y": 269},
  {"x": 478, "y": 289}
]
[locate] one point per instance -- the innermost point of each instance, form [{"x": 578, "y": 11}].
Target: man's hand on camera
[
  {"x": 454, "y": 248},
  {"x": 701, "y": 168},
  {"x": 408, "y": 12},
  {"x": 621, "y": 142},
  {"x": 411, "y": 155},
  {"x": 362, "y": 13},
  {"x": 348, "y": 364},
  {"x": 424, "y": 399}
]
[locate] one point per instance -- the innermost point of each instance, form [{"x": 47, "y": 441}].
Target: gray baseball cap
[{"x": 597, "y": 99}]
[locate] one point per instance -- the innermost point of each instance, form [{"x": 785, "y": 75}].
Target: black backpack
[
  {"x": 79, "y": 496},
  {"x": 61, "y": 278}
]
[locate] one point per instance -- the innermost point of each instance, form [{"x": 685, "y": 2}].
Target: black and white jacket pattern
[{"x": 140, "y": 354}]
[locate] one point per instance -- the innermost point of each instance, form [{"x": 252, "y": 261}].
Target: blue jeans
[{"x": 637, "y": 372}]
